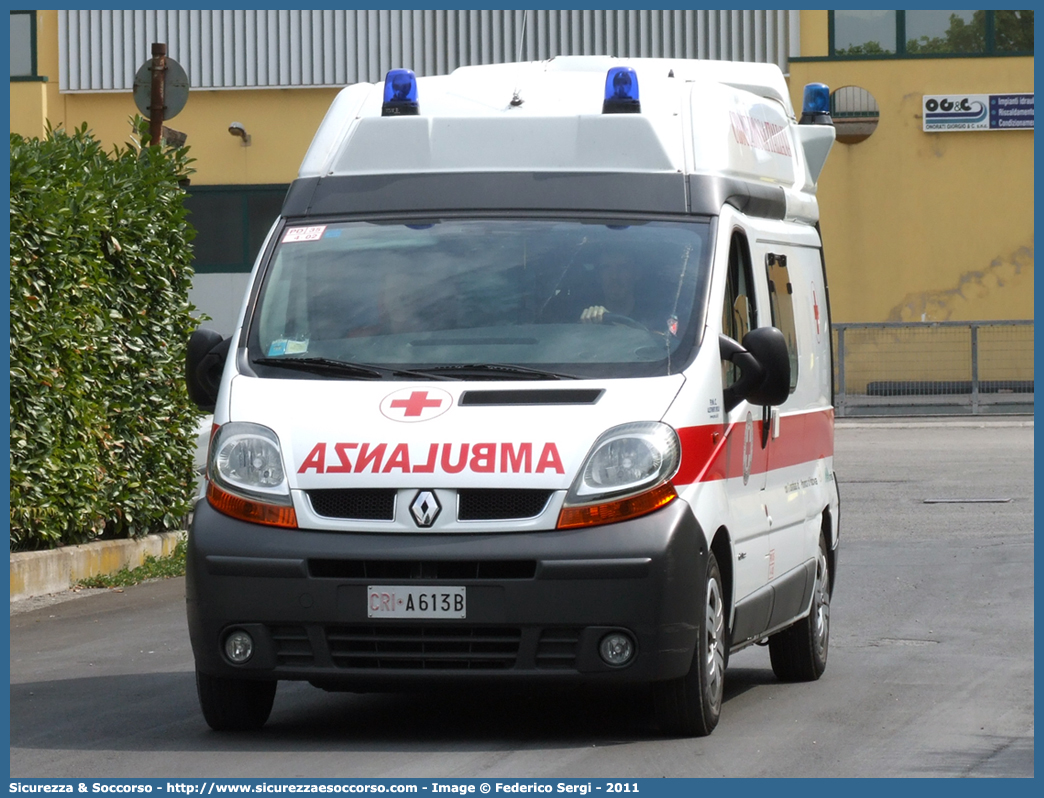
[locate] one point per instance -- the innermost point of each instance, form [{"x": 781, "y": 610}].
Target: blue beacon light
[
  {"x": 815, "y": 107},
  {"x": 621, "y": 92},
  {"x": 400, "y": 93}
]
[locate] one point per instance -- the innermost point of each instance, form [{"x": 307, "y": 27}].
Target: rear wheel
[
  {"x": 690, "y": 706},
  {"x": 799, "y": 653},
  {"x": 234, "y": 704}
]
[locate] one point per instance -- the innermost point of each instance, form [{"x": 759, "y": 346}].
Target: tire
[
  {"x": 234, "y": 704},
  {"x": 799, "y": 652},
  {"x": 690, "y": 705}
]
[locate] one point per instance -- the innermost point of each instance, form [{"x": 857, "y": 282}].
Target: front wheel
[
  {"x": 234, "y": 704},
  {"x": 690, "y": 705},
  {"x": 799, "y": 652}
]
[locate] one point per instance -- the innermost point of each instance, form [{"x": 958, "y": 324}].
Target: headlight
[
  {"x": 246, "y": 477},
  {"x": 627, "y": 459},
  {"x": 246, "y": 459},
  {"x": 627, "y": 474}
]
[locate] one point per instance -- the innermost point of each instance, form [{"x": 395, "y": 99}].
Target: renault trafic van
[{"x": 532, "y": 383}]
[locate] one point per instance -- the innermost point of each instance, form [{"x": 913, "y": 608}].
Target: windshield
[{"x": 472, "y": 298}]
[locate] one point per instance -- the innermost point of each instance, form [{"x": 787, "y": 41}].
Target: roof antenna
[{"x": 516, "y": 100}]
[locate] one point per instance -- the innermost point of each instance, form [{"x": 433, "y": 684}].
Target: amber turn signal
[
  {"x": 249, "y": 510},
  {"x": 621, "y": 510}
]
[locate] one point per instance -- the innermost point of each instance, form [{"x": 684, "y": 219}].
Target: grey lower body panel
[
  {"x": 538, "y": 603},
  {"x": 774, "y": 606}
]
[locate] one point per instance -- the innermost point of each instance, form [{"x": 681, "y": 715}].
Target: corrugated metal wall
[{"x": 100, "y": 50}]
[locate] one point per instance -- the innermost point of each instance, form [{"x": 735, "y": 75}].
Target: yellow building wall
[
  {"x": 815, "y": 34},
  {"x": 924, "y": 226},
  {"x": 31, "y": 101},
  {"x": 28, "y": 108},
  {"x": 281, "y": 122}
]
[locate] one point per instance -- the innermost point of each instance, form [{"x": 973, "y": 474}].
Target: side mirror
[
  {"x": 204, "y": 365},
  {"x": 764, "y": 364}
]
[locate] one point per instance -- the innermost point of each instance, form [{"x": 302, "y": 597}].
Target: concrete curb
[{"x": 37, "y": 573}]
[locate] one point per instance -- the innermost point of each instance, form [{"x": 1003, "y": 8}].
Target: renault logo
[{"x": 425, "y": 508}]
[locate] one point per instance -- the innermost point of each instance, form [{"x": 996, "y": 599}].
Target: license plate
[{"x": 396, "y": 601}]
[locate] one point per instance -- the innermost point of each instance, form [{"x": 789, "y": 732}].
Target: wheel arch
[
  {"x": 721, "y": 546},
  {"x": 829, "y": 534}
]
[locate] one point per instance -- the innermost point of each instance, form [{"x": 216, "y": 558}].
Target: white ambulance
[{"x": 532, "y": 383}]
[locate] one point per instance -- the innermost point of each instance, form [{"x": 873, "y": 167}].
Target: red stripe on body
[
  {"x": 712, "y": 451},
  {"x": 803, "y": 438}
]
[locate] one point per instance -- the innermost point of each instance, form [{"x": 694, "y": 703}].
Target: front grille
[
  {"x": 365, "y": 504},
  {"x": 292, "y": 646},
  {"x": 457, "y": 570},
  {"x": 491, "y": 504},
  {"x": 378, "y": 504},
  {"x": 424, "y": 647},
  {"x": 556, "y": 648}
]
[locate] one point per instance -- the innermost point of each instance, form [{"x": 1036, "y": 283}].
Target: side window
[
  {"x": 739, "y": 314},
  {"x": 781, "y": 300},
  {"x": 23, "y": 45}
]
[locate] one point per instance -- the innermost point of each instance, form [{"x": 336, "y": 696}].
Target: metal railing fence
[{"x": 976, "y": 367}]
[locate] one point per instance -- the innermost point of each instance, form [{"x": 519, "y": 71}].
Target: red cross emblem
[
  {"x": 413, "y": 405},
  {"x": 419, "y": 401}
]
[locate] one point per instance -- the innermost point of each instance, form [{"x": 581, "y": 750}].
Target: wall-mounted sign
[{"x": 946, "y": 112}]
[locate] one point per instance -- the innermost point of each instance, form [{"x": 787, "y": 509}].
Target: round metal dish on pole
[{"x": 161, "y": 90}]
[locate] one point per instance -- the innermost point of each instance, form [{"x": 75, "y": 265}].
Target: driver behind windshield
[
  {"x": 612, "y": 286},
  {"x": 614, "y": 282}
]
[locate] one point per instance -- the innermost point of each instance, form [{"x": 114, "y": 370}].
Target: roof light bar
[
  {"x": 400, "y": 93},
  {"x": 815, "y": 107},
  {"x": 621, "y": 92}
]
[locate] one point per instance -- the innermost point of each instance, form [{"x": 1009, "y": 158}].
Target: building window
[
  {"x": 863, "y": 33},
  {"x": 943, "y": 32},
  {"x": 910, "y": 34},
  {"x": 23, "y": 45},
  {"x": 1013, "y": 31},
  {"x": 231, "y": 223},
  {"x": 855, "y": 113}
]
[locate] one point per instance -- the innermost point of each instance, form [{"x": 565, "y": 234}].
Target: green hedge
[{"x": 102, "y": 431}]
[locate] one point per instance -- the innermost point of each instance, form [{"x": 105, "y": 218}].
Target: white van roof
[{"x": 720, "y": 118}]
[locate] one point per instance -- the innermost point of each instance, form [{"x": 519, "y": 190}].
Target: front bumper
[{"x": 538, "y": 603}]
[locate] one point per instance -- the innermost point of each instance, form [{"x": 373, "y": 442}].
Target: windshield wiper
[
  {"x": 326, "y": 365},
  {"x": 494, "y": 371}
]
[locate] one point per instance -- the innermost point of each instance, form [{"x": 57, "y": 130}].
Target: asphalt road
[{"x": 930, "y": 670}]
